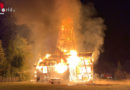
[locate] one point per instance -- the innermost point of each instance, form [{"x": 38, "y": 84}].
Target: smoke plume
[
  {"x": 90, "y": 31},
  {"x": 44, "y": 17}
]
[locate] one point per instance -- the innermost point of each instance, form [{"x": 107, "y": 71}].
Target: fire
[
  {"x": 61, "y": 67},
  {"x": 41, "y": 68},
  {"x": 47, "y": 55},
  {"x": 78, "y": 65},
  {"x": 38, "y": 64},
  {"x": 73, "y": 52},
  {"x": 73, "y": 59}
]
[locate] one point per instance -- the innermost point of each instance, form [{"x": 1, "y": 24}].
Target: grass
[{"x": 41, "y": 86}]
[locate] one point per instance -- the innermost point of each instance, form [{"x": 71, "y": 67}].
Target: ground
[{"x": 98, "y": 85}]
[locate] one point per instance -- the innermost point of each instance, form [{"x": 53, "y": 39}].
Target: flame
[
  {"x": 73, "y": 59},
  {"x": 47, "y": 56},
  {"x": 38, "y": 67},
  {"x": 41, "y": 68},
  {"x": 61, "y": 67},
  {"x": 79, "y": 67}
]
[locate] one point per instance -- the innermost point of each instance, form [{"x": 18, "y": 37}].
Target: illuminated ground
[{"x": 40, "y": 86}]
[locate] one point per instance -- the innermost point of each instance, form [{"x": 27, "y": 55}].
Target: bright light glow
[
  {"x": 89, "y": 69},
  {"x": 38, "y": 64},
  {"x": 60, "y": 68},
  {"x": 79, "y": 67},
  {"x": 73, "y": 59},
  {"x": 47, "y": 56},
  {"x": 44, "y": 69},
  {"x": 65, "y": 51},
  {"x": 73, "y": 53}
]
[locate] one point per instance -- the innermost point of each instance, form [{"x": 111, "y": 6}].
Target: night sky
[{"x": 116, "y": 14}]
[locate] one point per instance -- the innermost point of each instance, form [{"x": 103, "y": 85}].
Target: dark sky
[{"x": 116, "y": 14}]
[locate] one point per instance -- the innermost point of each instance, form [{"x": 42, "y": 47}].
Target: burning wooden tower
[{"x": 79, "y": 65}]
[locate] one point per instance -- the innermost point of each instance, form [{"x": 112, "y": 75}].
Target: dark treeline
[{"x": 15, "y": 48}]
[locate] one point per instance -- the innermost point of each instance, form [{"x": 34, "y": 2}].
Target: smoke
[
  {"x": 39, "y": 16},
  {"x": 44, "y": 18},
  {"x": 90, "y": 31}
]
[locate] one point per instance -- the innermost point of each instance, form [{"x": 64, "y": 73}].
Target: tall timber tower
[
  {"x": 66, "y": 40},
  {"x": 66, "y": 43},
  {"x": 66, "y": 63}
]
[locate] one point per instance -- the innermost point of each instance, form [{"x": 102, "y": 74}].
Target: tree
[
  {"x": 119, "y": 73},
  {"x": 3, "y": 62},
  {"x": 19, "y": 56}
]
